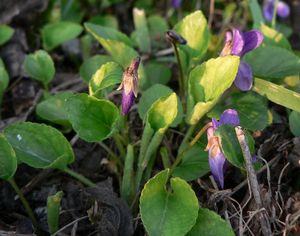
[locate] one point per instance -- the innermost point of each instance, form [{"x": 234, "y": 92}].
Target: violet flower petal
[
  {"x": 252, "y": 39},
  {"x": 237, "y": 43},
  {"x": 244, "y": 77},
  {"x": 283, "y": 10},
  {"x": 176, "y": 3},
  {"x": 230, "y": 116},
  {"x": 268, "y": 9},
  {"x": 127, "y": 101},
  {"x": 216, "y": 164}
]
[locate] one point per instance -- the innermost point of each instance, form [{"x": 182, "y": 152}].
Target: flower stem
[
  {"x": 181, "y": 76},
  {"x": 24, "y": 202},
  {"x": 153, "y": 145},
  {"x": 195, "y": 139},
  {"x": 126, "y": 186},
  {"x": 119, "y": 145},
  {"x": 274, "y": 14},
  {"x": 80, "y": 177}
]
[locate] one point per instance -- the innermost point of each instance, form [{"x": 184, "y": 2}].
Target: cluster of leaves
[{"x": 168, "y": 204}]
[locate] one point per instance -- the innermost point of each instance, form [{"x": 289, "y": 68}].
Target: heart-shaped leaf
[
  {"x": 231, "y": 146},
  {"x": 91, "y": 65},
  {"x": 157, "y": 117},
  {"x": 53, "y": 108},
  {"x": 274, "y": 38},
  {"x": 55, "y": 34},
  {"x": 207, "y": 83},
  {"x": 273, "y": 62},
  {"x": 8, "y": 159},
  {"x": 210, "y": 224},
  {"x": 109, "y": 74},
  {"x": 39, "y": 66},
  {"x": 157, "y": 73},
  {"x": 194, "y": 29},
  {"x": 39, "y": 145},
  {"x": 194, "y": 164},
  {"x": 168, "y": 211},
  {"x": 154, "y": 93},
  {"x": 277, "y": 94},
  {"x": 6, "y": 33},
  {"x": 92, "y": 119},
  {"x": 117, "y": 44},
  {"x": 252, "y": 110}
]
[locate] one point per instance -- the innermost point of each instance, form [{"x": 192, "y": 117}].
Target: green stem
[
  {"x": 153, "y": 145},
  {"x": 126, "y": 186},
  {"x": 119, "y": 145},
  {"x": 181, "y": 76},
  {"x": 186, "y": 138},
  {"x": 147, "y": 135},
  {"x": 274, "y": 14},
  {"x": 24, "y": 202},
  {"x": 80, "y": 177}
]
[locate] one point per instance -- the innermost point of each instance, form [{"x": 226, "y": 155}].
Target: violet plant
[{"x": 168, "y": 205}]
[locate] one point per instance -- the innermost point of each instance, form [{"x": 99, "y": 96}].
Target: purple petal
[
  {"x": 244, "y": 78},
  {"x": 176, "y": 3},
  {"x": 268, "y": 10},
  {"x": 283, "y": 10},
  {"x": 230, "y": 116},
  {"x": 216, "y": 164},
  {"x": 215, "y": 123},
  {"x": 252, "y": 40},
  {"x": 238, "y": 42},
  {"x": 127, "y": 101}
]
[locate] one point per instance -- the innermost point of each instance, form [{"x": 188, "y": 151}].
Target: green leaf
[
  {"x": 157, "y": 117},
  {"x": 273, "y": 62},
  {"x": 71, "y": 11},
  {"x": 105, "y": 20},
  {"x": 109, "y": 74},
  {"x": 117, "y": 44},
  {"x": 102, "y": 33},
  {"x": 6, "y": 33},
  {"x": 141, "y": 30},
  {"x": 39, "y": 145},
  {"x": 8, "y": 159},
  {"x": 294, "y": 123},
  {"x": 55, "y": 34},
  {"x": 207, "y": 82},
  {"x": 194, "y": 29},
  {"x": 157, "y": 73},
  {"x": 91, "y": 65},
  {"x": 157, "y": 29},
  {"x": 274, "y": 38},
  {"x": 194, "y": 164},
  {"x": 39, "y": 66},
  {"x": 210, "y": 224},
  {"x": 53, "y": 108},
  {"x": 169, "y": 210},
  {"x": 252, "y": 110},
  {"x": 277, "y": 94},
  {"x": 256, "y": 13},
  {"x": 53, "y": 205},
  {"x": 92, "y": 119},
  {"x": 230, "y": 145},
  {"x": 153, "y": 94},
  {"x": 4, "y": 79}
]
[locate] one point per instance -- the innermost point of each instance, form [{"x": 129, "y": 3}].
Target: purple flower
[
  {"x": 283, "y": 10},
  {"x": 239, "y": 43},
  {"x": 176, "y": 3},
  {"x": 129, "y": 85},
  {"x": 216, "y": 157}
]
